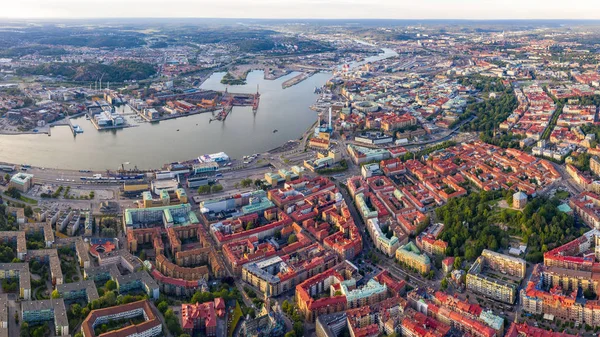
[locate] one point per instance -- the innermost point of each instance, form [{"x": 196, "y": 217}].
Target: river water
[{"x": 150, "y": 145}]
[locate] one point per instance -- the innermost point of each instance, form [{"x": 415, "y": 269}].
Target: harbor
[{"x": 149, "y": 145}]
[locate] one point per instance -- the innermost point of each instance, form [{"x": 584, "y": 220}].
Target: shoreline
[{"x": 299, "y": 138}]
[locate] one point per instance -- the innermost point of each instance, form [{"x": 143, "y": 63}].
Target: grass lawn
[{"x": 237, "y": 314}]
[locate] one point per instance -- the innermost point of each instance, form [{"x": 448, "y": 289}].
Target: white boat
[{"x": 77, "y": 129}]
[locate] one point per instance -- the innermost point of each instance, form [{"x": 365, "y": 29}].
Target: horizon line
[{"x": 284, "y": 19}]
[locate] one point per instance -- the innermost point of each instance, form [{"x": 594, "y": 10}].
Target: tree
[
  {"x": 76, "y": 310},
  {"x": 24, "y": 330},
  {"x": 28, "y": 211},
  {"x": 246, "y": 182},
  {"x": 285, "y": 306},
  {"x": 292, "y": 239},
  {"x": 444, "y": 283},
  {"x": 204, "y": 189},
  {"x": 277, "y": 234},
  {"x": 457, "y": 262},
  {"x": 55, "y": 294},
  {"x": 216, "y": 188},
  {"x": 7, "y": 177},
  {"x": 298, "y": 328},
  {"x": 589, "y": 294},
  {"x": 290, "y": 334},
  {"x": 110, "y": 285},
  {"x": 13, "y": 192},
  {"x": 162, "y": 306}
]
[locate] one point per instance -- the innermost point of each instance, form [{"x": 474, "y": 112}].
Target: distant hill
[{"x": 120, "y": 71}]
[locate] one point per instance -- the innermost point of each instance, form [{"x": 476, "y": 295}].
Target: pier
[
  {"x": 297, "y": 79},
  {"x": 70, "y": 124}
]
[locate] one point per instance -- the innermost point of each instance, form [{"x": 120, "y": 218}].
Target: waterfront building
[
  {"x": 21, "y": 181},
  {"x": 167, "y": 216}
]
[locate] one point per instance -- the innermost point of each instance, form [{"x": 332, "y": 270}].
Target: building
[
  {"x": 277, "y": 275},
  {"x": 49, "y": 257},
  {"x": 202, "y": 317},
  {"x": 18, "y": 271},
  {"x": 138, "y": 281},
  {"x": 587, "y": 206},
  {"x": 360, "y": 154},
  {"x": 595, "y": 165},
  {"x": 481, "y": 277},
  {"x": 331, "y": 325},
  {"x": 525, "y": 330},
  {"x": 21, "y": 181},
  {"x": 83, "y": 290},
  {"x": 385, "y": 245},
  {"x": 167, "y": 216},
  {"x": 519, "y": 200},
  {"x": 151, "y": 326},
  {"x": 410, "y": 255},
  {"x": 35, "y": 312}
]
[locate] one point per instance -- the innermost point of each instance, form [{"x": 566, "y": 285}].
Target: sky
[{"x": 309, "y": 9}]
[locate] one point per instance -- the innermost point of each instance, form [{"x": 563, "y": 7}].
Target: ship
[{"x": 77, "y": 129}]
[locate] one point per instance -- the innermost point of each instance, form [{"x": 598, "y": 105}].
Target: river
[{"x": 150, "y": 145}]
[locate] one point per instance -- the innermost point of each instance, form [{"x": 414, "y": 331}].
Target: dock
[
  {"x": 297, "y": 79},
  {"x": 70, "y": 124}
]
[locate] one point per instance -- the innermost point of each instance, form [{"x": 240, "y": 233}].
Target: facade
[
  {"x": 35, "y": 312},
  {"x": 519, "y": 200},
  {"x": 385, "y": 245},
  {"x": 480, "y": 281},
  {"x": 151, "y": 327},
  {"x": 20, "y": 271},
  {"x": 167, "y": 216},
  {"x": 21, "y": 181},
  {"x": 83, "y": 290},
  {"x": 410, "y": 255}
]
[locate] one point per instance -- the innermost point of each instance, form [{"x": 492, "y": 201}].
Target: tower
[{"x": 329, "y": 121}]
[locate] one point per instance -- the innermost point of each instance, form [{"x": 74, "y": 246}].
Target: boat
[
  {"x": 274, "y": 131},
  {"x": 177, "y": 129},
  {"x": 87, "y": 117},
  {"x": 77, "y": 129}
]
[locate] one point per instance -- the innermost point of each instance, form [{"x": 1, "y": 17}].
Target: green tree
[
  {"x": 204, "y": 189},
  {"x": 162, "y": 306},
  {"x": 76, "y": 310},
  {"x": 13, "y": 192},
  {"x": 292, "y": 239},
  {"x": 444, "y": 283},
  {"x": 24, "y": 330},
  {"x": 7, "y": 177},
  {"x": 28, "y": 211},
  {"x": 110, "y": 285},
  {"x": 55, "y": 294}
]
